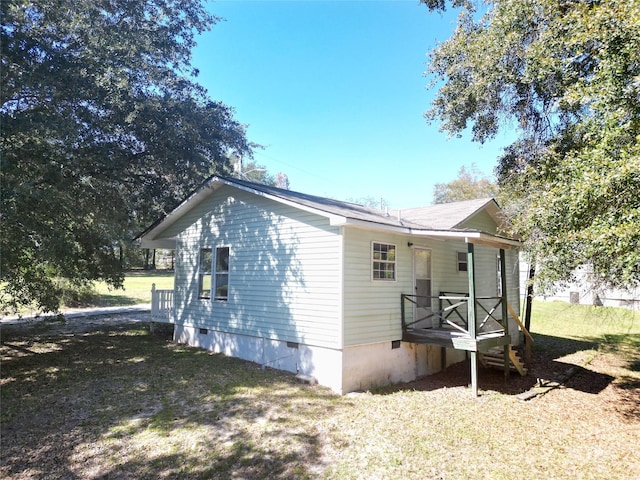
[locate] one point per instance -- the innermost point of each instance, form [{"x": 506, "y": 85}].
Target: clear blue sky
[{"x": 335, "y": 92}]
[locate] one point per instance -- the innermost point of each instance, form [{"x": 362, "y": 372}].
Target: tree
[
  {"x": 252, "y": 172},
  {"x": 566, "y": 74},
  {"x": 258, "y": 173},
  {"x": 469, "y": 185},
  {"x": 369, "y": 201},
  {"x": 103, "y": 129}
]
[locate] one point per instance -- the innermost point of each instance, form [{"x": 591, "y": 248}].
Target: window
[
  {"x": 221, "y": 287},
  {"x": 383, "y": 261},
  {"x": 463, "y": 266},
  {"x": 204, "y": 273}
]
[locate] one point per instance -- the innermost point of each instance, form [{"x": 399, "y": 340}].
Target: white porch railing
[{"x": 161, "y": 305}]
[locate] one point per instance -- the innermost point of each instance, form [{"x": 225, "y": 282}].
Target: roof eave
[{"x": 469, "y": 236}]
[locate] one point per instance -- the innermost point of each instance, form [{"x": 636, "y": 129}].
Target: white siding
[
  {"x": 284, "y": 270},
  {"x": 583, "y": 290},
  {"x": 481, "y": 221},
  {"x": 372, "y": 309}
]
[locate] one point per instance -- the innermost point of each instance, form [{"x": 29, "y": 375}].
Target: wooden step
[{"x": 495, "y": 358}]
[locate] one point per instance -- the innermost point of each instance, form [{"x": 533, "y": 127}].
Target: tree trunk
[{"x": 529, "y": 299}]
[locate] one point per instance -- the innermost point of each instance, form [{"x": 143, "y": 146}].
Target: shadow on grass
[
  {"x": 150, "y": 273},
  {"x": 627, "y": 346},
  {"x": 548, "y": 353},
  {"x": 112, "y": 301},
  {"x": 124, "y": 403}
]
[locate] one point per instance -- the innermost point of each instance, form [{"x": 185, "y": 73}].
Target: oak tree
[
  {"x": 103, "y": 128},
  {"x": 565, "y": 76},
  {"x": 470, "y": 184}
]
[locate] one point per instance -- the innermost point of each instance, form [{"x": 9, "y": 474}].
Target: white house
[
  {"x": 583, "y": 289},
  {"x": 349, "y": 295}
]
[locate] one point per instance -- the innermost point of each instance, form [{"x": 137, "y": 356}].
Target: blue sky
[{"x": 335, "y": 92}]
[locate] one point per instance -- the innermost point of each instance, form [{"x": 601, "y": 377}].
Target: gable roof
[
  {"x": 441, "y": 220},
  {"x": 450, "y": 215}
]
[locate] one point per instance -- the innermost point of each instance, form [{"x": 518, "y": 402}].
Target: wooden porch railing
[
  {"x": 161, "y": 305},
  {"x": 452, "y": 312}
]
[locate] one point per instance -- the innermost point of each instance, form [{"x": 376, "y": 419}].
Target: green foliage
[
  {"x": 103, "y": 129},
  {"x": 77, "y": 295},
  {"x": 254, "y": 172},
  {"x": 567, "y": 75},
  {"x": 469, "y": 185}
]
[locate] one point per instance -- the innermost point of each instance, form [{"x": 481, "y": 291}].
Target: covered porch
[{"x": 462, "y": 321}]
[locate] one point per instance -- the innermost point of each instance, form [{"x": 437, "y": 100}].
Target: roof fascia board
[{"x": 475, "y": 237}]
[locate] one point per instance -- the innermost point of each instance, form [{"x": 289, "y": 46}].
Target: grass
[
  {"x": 137, "y": 288},
  {"x": 594, "y": 330},
  {"x": 121, "y": 402}
]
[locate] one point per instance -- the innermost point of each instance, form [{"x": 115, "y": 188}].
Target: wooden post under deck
[
  {"x": 471, "y": 309},
  {"x": 505, "y": 312}
]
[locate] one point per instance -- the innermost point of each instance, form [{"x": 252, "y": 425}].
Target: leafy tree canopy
[
  {"x": 470, "y": 184},
  {"x": 103, "y": 128},
  {"x": 254, "y": 172},
  {"x": 566, "y": 75}
]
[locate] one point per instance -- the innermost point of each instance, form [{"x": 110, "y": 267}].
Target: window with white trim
[
  {"x": 383, "y": 258},
  {"x": 221, "y": 278},
  {"x": 204, "y": 273},
  {"x": 463, "y": 265}
]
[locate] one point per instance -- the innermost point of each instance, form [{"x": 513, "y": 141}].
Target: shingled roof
[{"x": 446, "y": 217}]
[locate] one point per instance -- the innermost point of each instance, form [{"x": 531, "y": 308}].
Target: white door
[{"x": 422, "y": 284}]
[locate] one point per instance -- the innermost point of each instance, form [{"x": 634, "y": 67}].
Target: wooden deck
[{"x": 451, "y": 338}]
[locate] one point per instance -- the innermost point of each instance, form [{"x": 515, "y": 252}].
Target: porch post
[
  {"x": 471, "y": 317},
  {"x": 505, "y": 311}
]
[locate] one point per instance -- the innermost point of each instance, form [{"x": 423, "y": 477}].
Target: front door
[{"x": 422, "y": 284}]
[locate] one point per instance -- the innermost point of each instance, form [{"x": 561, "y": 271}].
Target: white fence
[{"x": 161, "y": 305}]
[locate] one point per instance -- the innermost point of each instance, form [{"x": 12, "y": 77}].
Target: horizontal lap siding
[
  {"x": 486, "y": 258},
  {"x": 481, "y": 221},
  {"x": 284, "y": 279},
  {"x": 513, "y": 279},
  {"x": 372, "y": 308}
]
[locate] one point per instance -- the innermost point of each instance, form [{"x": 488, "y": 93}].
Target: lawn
[
  {"x": 137, "y": 288},
  {"x": 86, "y": 400}
]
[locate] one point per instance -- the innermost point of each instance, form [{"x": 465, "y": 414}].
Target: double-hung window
[
  {"x": 213, "y": 273},
  {"x": 204, "y": 273},
  {"x": 221, "y": 279},
  {"x": 463, "y": 262},
  {"x": 383, "y": 257}
]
